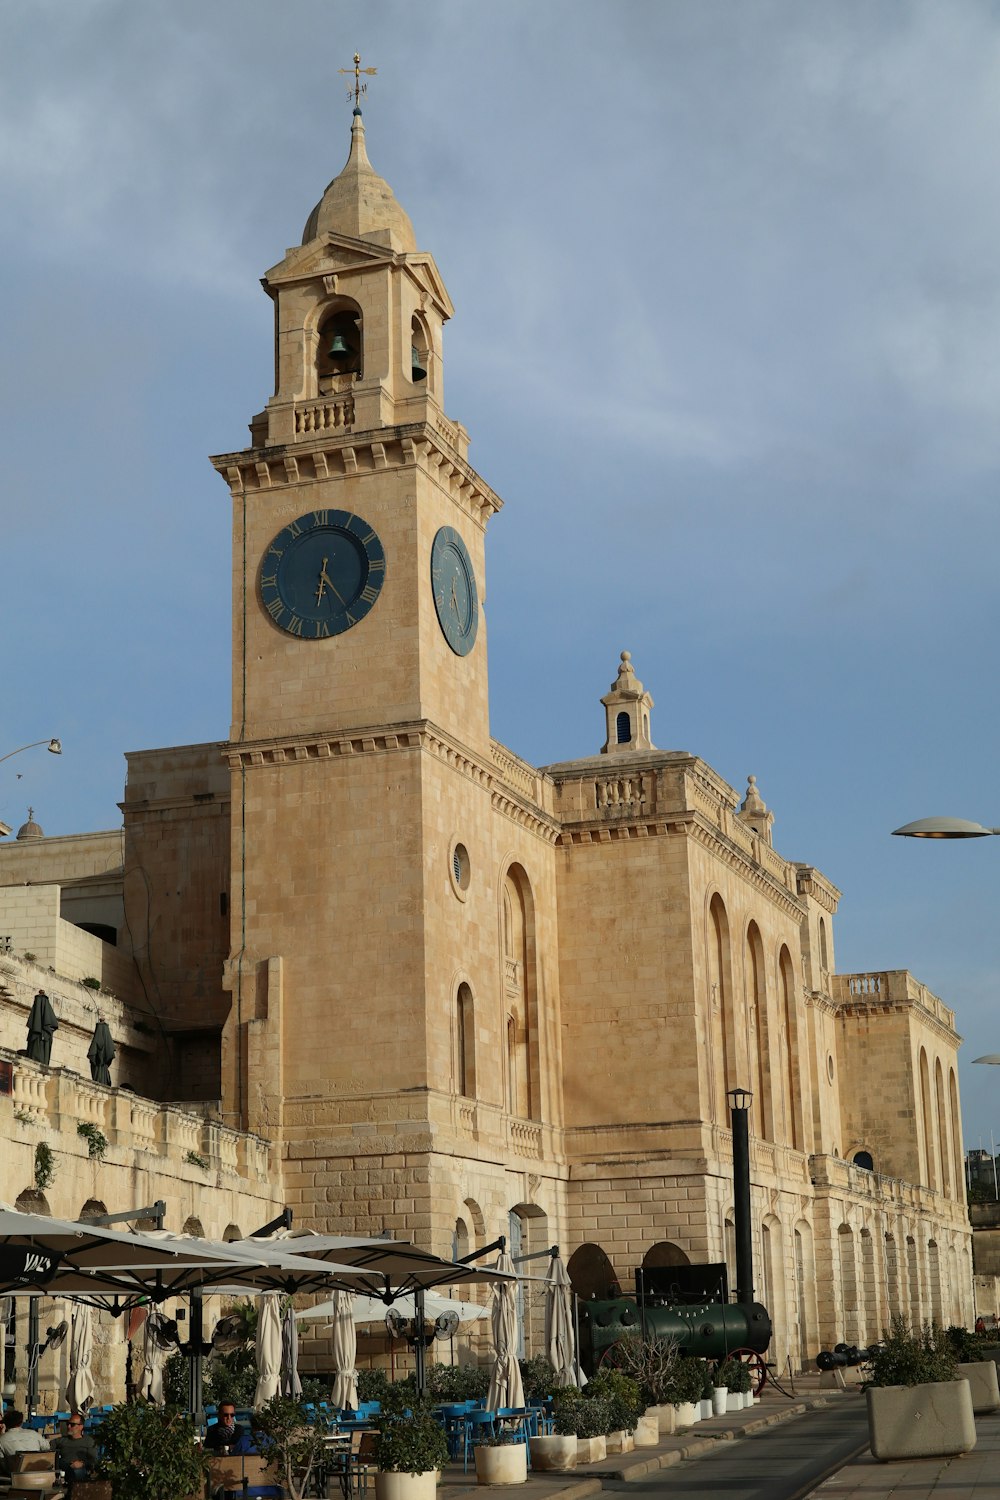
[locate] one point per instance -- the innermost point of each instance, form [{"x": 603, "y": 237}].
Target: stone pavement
[{"x": 816, "y": 1429}]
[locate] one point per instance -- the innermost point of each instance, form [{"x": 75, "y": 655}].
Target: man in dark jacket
[
  {"x": 76, "y": 1455},
  {"x": 226, "y": 1434}
]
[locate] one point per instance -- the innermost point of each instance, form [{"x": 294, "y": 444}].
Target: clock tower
[{"x": 359, "y": 744}]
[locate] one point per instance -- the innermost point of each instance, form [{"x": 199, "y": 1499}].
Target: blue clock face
[
  {"x": 322, "y": 574},
  {"x": 454, "y": 585}
]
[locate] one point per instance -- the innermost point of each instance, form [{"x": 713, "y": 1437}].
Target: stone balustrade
[
  {"x": 30, "y": 1084},
  {"x": 331, "y": 415}
]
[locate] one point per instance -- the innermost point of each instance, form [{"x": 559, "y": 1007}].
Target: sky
[{"x": 727, "y": 341}]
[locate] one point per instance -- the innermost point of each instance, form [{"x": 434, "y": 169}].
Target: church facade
[{"x": 454, "y": 994}]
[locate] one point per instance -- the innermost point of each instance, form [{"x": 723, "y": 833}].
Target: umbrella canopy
[
  {"x": 153, "y": 1356},
  {"x": 505, "y": 1382},
  {"x": 80, "y": 1391},
  {"x": 560, "y": 1345},
  {"x": 386, "y": 1269},
  {"x": 41, "y": 1025},
  {"x": 291, "y": 1385},
  {"x": 60, "y": 1258},
  {"x": 373, "y": 1309},
  {"x": 101, "y": 1053},
  {"x": 345, "y": 1352},
  {"x": 268, "y": 1348}
]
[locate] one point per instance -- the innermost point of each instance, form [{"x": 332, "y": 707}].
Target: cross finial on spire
[{"x": 359, "y": 87}]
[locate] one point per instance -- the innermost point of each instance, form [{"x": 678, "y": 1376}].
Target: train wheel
[
  {"x": 756, "y": 1363},
  {"x": 611, "y": 1359}
]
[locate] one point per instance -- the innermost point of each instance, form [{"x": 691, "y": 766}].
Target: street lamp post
[
  {"x": 739, "y": 1106},
  {"x": 53, "y": 745},
  {"x": 943, "y": 828}
]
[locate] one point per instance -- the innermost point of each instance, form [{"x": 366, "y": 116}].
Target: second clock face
[
  {"x": 322, "y": 574},
  {"x": 454, "y": 585}
]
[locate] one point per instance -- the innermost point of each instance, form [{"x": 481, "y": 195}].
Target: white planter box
[
  {"x": 720, "y": 1400},
  {"x": 684, "y": 1415},
  {"x": 666, "y": 1417},
  {"x": 553, "y": 1453},
  {"x": 982, "y": 1378},
  {"x": 734, "y": 1401},
  {"x": 591, "y": 1450},
  {"x": 920, "y": 1421},
  {"x": 647, "y": 1432},
  {"x": 705, "y": 1408},
  {"x": 405, "y": 1486},
  {"x": 619, "y": 1442},
  {"x": 504, "y": 1464}
]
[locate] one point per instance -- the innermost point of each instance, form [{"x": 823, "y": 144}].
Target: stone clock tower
[{"x": 360, "y": 734}]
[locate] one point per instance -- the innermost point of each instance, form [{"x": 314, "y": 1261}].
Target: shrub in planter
[
  {"x": 411, "y": 1445},
  {"x": 688, "y": 1380},
  {"x": 735, "y": 1375},
  {"x": 575, "y": 1413},
  {"x": 372, "y": 1385},
  {"x": 622, "y": 1395},
  {"x": 459, "y": 1382},
  {"x": 538, "y": 1377},
  {"x": 916, "y": 1406},
  {"x": 502, "y": 1459},
  {"x": 150, "y": 1453},
  {"x": 293, "y": 1447},
  {"x": 650, "y": 1362}
]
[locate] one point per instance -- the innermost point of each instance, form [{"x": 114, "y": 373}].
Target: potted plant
[
  {"x": 410, "y": 1453},
  {"x": 686, "y": 1386},
  {"x": 555, "y": 1452},
  {"x": 917, "y": 1407},
  {"x": 501, "y": 1459},
  {"x": 294, "y": 1448},
  {"x": 652, "y": 1363},
  {"x": 150, "y": 1453},
  {"x": 975, "y": 1366},
  {"x": 731, "y": 1376},
  {"x": 705, "y": 1407},
  {"x": 587, "y": 1419},
  {"x": 625, "y": 1405}
]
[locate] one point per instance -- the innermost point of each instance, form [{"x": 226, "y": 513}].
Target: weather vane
[{"x": 359, "y": 87}]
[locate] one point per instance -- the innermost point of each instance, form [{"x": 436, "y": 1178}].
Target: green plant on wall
[
  {"x": 97, "y": 1141},
  {"x": 194, "y": 1160},
  {"x": 45, "y": 1165},
  {"x": 91, "y": 982}
]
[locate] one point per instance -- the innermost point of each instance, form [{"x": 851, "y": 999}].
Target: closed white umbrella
[
  {"x": 154, "y": 1357},
  {"x": 80, "y": 1391},
  {"x": 560, "y": 1344},
  {"x": 345, "y": 1353},
  {"x": 291, "y": 1385},
  {"x": 268, "y": 1348},
  {"x": 505, "y": 1382}
]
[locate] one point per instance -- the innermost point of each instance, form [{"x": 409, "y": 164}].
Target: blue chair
[{"x": 478, "y": 1423}]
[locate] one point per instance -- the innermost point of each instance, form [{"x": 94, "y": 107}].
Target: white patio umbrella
[
  {"x": 291, "y": 1385},
  {"x": 373, "y": 1309},
  {"x": 505, "y": 1382},
  {"x": 80, "y": 1391},
  {"x": 345, "y": 1353},
  {"x": 268, "y": 1348},
  {"x": 560, "y": 1344},
  {"x": 153, "y": 1356}
]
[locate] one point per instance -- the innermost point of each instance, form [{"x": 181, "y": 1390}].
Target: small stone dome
[
  {"x": 360, "y": 203},
  {"x": 31, "y": 829}
]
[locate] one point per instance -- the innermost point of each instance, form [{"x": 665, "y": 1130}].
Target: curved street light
[
  {"x": 943, "y": 828},
  {"x": 55, "y": 746}
]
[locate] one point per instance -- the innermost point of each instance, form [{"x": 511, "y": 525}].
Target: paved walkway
[{"x": 778, "y": 1451}]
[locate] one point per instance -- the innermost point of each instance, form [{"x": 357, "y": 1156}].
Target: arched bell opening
[
  {"x": 419, "y": 351},
  {"x": 339, "y": 349}
]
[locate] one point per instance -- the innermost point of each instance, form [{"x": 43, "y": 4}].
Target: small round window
[
  {"x": 460, "y": 869},
  {"x": 829, "y": 1066}
]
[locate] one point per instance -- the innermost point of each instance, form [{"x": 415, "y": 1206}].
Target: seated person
[
  {"x": 18, "y": 1439},
  {"x": 76, "y": 1455},
  {"x": 227, "y": 1432}
]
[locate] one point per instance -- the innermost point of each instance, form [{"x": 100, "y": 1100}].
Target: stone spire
[
  {"x": 360, "y": 203},
  {"x": 627, "y": 707},
  {"x": 754, "y": 813}
]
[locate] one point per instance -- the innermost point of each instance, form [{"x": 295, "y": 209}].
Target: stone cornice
[
  {"x": 417, "y": 734},
  {"x": 252, "y": 471},
  {"x": 812, "y": 883}
]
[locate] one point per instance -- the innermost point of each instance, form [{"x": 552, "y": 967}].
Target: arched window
[
  {"x": 864, "y": 1160},
  {"x": 31, "y": 1201},
  {"x": 786, "y": 976},
  {"x": 193, "y": 1226},
  {"x": 93, "y": 1209},
  {"x": 232, "y": 1233},
  {"x": 339, "y": 348},
  {"x": 517, "y": 931},
  {"x": 934, "y": 1281},
  {"x": 623, "y": 728},
  {"x": 927, "y": 1119},
  {"x": 956, "y": 1132},
  {"x": 942, "y": 1130},
  {"x": 757, "y": 1004},
  {"x": 465, "y": 1042},
  {"x": 849, "y": 1285},
  {"x": 460, "y": 1240},
  {"x": 720, "y": 995},
  {"x": 914, "y": 1308},
  {"x": 824, "y": 954},
  {"x": 419, "y": 356}
]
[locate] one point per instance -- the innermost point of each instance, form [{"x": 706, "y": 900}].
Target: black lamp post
[{"x": 739, "y": 1105}]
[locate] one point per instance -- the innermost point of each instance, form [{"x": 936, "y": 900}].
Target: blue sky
[{"x": 727, "y": 340}]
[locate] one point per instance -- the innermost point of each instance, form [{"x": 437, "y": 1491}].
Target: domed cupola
[
  {"x": 31, "y": 829},
  {"x": 361, "y": 204}
]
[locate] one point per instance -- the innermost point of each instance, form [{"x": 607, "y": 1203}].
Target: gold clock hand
[
  {"x": 454, "y": 597},
  {"x": 324, "y": 578}
]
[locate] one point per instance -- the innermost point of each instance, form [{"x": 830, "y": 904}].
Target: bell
[
  {"x": 419, "y": 368},
  {"x": 339, "y": 348}
]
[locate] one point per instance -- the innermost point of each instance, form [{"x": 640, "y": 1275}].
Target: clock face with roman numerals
[
  {"x": 454, "y": 585},
  {"x": 322, "y": 574}
]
